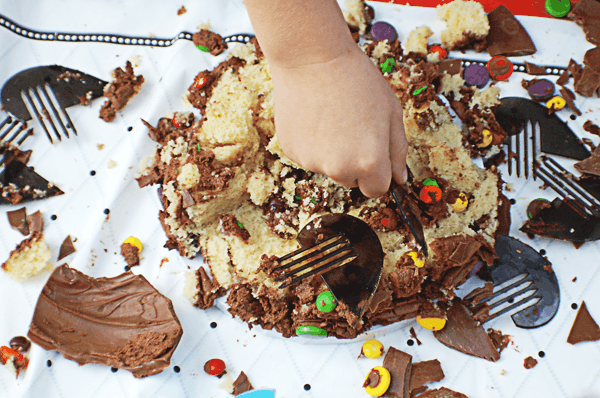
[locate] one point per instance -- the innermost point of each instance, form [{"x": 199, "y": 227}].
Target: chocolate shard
[
  {"x": 18, "y": 220},
  {"x": 442, "y": 392},
  {"x": 584, "y": 328},
  {"x": 35, "y": 222},
  {"x": 534, "y": 69},
  {"x": 123, "y": 322},
  {"x": 66, "y": 248},
  {"x": 241, "y": 384},
  {"x": 586, "y": 14},
  {"x": 465, "y": 334},
  {"x": 592, "y": 58},
  {"x": 507, "y": 36},
  {"x": 569, "y": 97},
  {"x": 398, "y": 363},
  {"x": 20, "y": 184},
  {"x": 588, "y": 83},
  {"x": 425, "y": 372}
]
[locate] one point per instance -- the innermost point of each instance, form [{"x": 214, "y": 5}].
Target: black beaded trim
[
  {"x": 107, "y": 38},
  {"x": 550, "y": 69}
]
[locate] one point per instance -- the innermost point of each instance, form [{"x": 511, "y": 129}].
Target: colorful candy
[
  {"x": 541, "y": 89},
  {"x": 383, "y": 31},
  {"x": 556, "y": 103},
  {"x": 476, "y": 75},
  {"x": 419, "y": 262},
  {"x": 430, "y": 194},
  {"x": 326, "y": 302},
  {"x": 311, "y": 330},
  {"x": 500, "y": 67},
  {"x": 536, "y": 205},
  {"x": 8, "y": 354},
  {"x": 443, "y": 54},
  {"x": 430, "y": 181},
  {"x": 199, "y": 83},
  {"x": 133, "y": 241},
  {"x": 431, "y": 323},
  {"x": 372, "y": 349},
  {"x": 215, "y": 367},
  {"x": 20, "y": 344},
  {"x": 419, "y": 90},
  {"x": 558, "y": 8},
  {"x": 388, "y": 65},
  {"x": 377, "y": 381},
  {"x": 461, "y": 203},
  {"x": 487, "y": 139},
  {"x": 202, "y": 48}
]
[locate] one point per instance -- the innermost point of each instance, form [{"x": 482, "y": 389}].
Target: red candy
[
  {"x": 176, "y": 122},
  {"x": 440, "y": 50},
  {"x": 198, "y": 83},
  {"x": 7, "y": 354},
  {"x": 500, "y": 67},
  {"x": 430, "y": 193},
  {"x": 214, "y": 367}
]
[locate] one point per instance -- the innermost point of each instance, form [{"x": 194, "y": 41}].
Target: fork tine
[
  {"x": 338, "y": 262},
  {"x": 510, "y": 150},
  {"x": 44, "y": 90},
  {"x": 27, "y": 135},
  {"x": 316, "y": 261},
  {"x": 15, "y": 135},
  {"x": 526, "y": 137},
  {"x": 6, "y": 120},
  {"x": 27, "y": 96},
  {"x": 12, "y": 126},
  {"x": 45, "y": 112},
  {"x": 325, "y": 245},
  {"x": 514, "y": 305},
  {"x": 69, "y": 124}
]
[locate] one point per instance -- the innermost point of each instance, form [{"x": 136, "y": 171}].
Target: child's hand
[{"x": 341, "y": 118}]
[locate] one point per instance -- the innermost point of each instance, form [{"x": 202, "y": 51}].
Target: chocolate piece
[
  {"x": 442, "y": 392},
  {"x": 539, "y": 89},
  {"x": 575, "y": 69},
  {"x": 537, "y": 205},
  {"x": 19, "y": 184},
  {"x": 122, "y": 322},
  {"x": 466, "y": 335},
  {"x": 588, "y": 83},
  {"x": 18, "y": 220},
  {"x": 35, "y": 222},
  {"x": 207, "y": 290},
  {"x": 534, "y": 69},
  {"x": 398, "y": 363},
  {"x": 564, "y": 78},
  {"x": 413, "y": 334},
  {"x": 20, "y": 344},
  {"x": 131, "y": 254},
  {"x": 592, "y": 58},
  {"x": 373, "y": 379},
  {"x": 383, "y": 31},
  {"x": 507, "y": 36},
  {"x": 591, "y": 128},
  {"x": 586, "y": 14},
  {"x": 425, "y": 372},
  {"x": 570, "y": 98},
  {"x": 590, "y": 165},
  {"x": 241, "y": 384},
  {"x": 210, "y": 40},
  {"x": 118, "y": 93},
  {"x": 231, "y": 226},
  {"x": 500, "y": 340},
  {"x": 529, "y": 362},
  {"x": 66, "y": 248},
  {"x": 584, "y": 328},
  {"x": 450, "y": 66},
  {"x": 476, "y": 75}
]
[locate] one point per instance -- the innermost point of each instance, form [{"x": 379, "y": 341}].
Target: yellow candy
[
  {"x": 372, "y": 349},
  {"x": 382, "y": 386},
  {"x": 461, "y": 203},
  {"x": 487, "y": 139},
  {"x": 431, "y": 323},
  {"x": 557, "y": 102},
  {"x": 418, "y": 262},
  {"x": 134, "y": 242}
]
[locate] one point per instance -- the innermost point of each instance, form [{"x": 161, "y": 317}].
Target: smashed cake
[
  {"x": 467, "y": 25},
  {"x": 230, "y": 194},
  {"x": 30, "y": 258}
]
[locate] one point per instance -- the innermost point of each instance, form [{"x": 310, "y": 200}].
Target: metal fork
[
  {"x": 305, "y": 262},
  {"x": 526, "y": 146},
  {"x": 7, "y": 126}
]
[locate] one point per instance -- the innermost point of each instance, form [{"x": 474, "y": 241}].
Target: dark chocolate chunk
[
  {"x": 591, "y": 128},
  {"x": 529, "y": 362},
  {"x": 476, "y": 75},
  {"x": 20, "y": 344},
  {"x": 507, "y": 36},
  {"x": 534, "y": 69},
  {"x": 241, "y": 384},
  {"x": 35, "y": 222},
  {"x": 398, "y": 363},
  {"x": 105, "y": 321},
  {"x": 383, "y": 31},
  {"x": 66, "y": 248},
  {"x": 450, "y": 66},
  {"x": 584, "y": 328},
  {"x": 587, "y": 14},
  {"x": 18, "y": 220},
  {"x": 465, "y": 334},
  {"x": 425, "y": 372}
]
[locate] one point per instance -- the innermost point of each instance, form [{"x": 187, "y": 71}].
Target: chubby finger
[
  {"x": 376, "y": 181},
  {"x": 398, "y": 148}
]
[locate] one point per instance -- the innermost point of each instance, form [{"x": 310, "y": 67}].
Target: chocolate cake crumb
[
  {"x": 208, "y": 290},
  {"x": 500, "y": 340},
  {"x": 131, "y": 254},
  {"x": 209, "y": 40},
  {"x": 181, "y": 11},
  {"x": 530, "y": 362},
  {"x": 241, "y": 384},
  {"x": 124, "y": 86},
  {"x": 231, "y": 226}
]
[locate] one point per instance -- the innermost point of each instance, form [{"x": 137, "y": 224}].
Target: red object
[
  {"x": 214, "y": 367},
  {"x": 7, "y": 353},
  {"x": 385, "y": 222},
  {"x": 500, "y": 67},
  {"x": 535, "y": 8},
  {"x": 429, "y": 193},
  {"x": 198, "y": 83},
  {"x": 440, "y": 50},
  {"x": 175, "y": 122}
]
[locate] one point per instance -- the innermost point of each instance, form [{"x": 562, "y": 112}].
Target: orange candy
[
  {"x": 430, "y": 194},
  {"x": 440, "y": 50}
]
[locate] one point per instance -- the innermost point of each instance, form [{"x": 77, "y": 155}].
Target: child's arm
[{"x": 335, "y": 114}]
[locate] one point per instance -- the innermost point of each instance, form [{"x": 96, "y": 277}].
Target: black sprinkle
[
  {"x": 510, "y": 301},
  {"x": 573, "y": 117},
  {"x": 127, "y": 268},
  {"x": 129, "y": 128},
  {"x": 69, "y": 125},
  {"x": 542, "y": 354},
  {"x": 176, "y": 369},
  {"x": 213, "y": 325},
  {"x": 53, "y": 217},
  {"x": 48, "y": 363},
  {"x": 542, "y": 252},
  {"x": 410, "y": 342},
  {"x": 106, "y": 211},
  {"x": 574, "y": 306},
  {"x": 114, "y": 370},
  {"x": 93, "y": 173},
  {"x": 307, "y": 387},
  {"x": 512, "y": 201}
]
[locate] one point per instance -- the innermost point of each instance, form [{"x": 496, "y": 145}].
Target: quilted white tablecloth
[{"x": 292, "y": 367}]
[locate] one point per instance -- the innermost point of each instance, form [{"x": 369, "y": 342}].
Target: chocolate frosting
[
  {"x": 425, "y": 372},
  {"x": 18, "y": 220},
  {"x": 584, "y": 328},
  {"x": 587, "y": 14},
  {"x": 466, "y": 335},
  {"x": 122, "y": 322},
  {"x": 507, "y": 36},
  {"x": 442, "y": 392},
  {"x": 398, "y": 363}
]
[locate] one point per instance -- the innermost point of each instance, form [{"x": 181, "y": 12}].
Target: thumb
[{"x": 398, "y": 148}]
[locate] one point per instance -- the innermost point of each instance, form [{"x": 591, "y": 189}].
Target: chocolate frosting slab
[
  {"x": 465, "y": 334},
  {"x": 122, "y": 322},
  {"x": 584, "y": 328},
  {"x": 398, "y": 363},
  {"x": 507, "y": 36}
]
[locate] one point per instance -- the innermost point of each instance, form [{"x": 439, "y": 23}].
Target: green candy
[
  {"x": 198, "y": 147},
  {"x": 202, "y": 48},
  {"x": 558, "y": 8},
  {"x": 240, "y": 225},
  {"x": 326, "y": 302},
  {"x": 529, "y": 215},
  {"x": 419, "y": 90},
  {"x": 430, "y": 181},
  {"x": 387, "y": 66},
  {"x": 312, "y": 330}
]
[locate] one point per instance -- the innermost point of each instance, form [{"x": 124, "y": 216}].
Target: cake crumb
[
  {"x": 100, "y": 146},
  {"x": 112, "y": 164},
  {"x": 181, "y": 11},
  {"x": 529, "y": 362}
]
